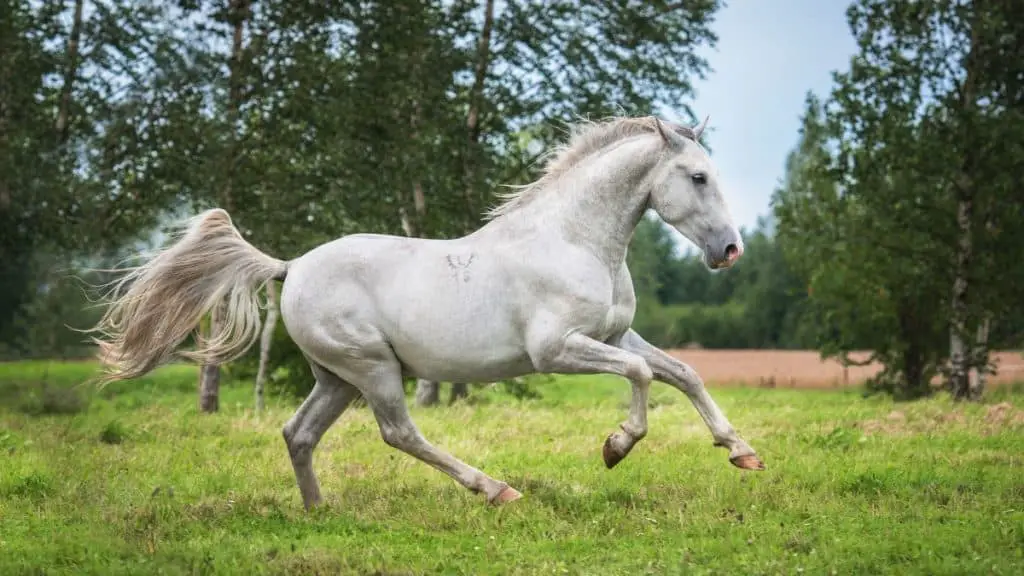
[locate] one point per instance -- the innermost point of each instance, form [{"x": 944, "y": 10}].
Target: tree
[
  {"x": 68, "y": 130},
  {"x": 771, "y": 293},
  {"x": 238, "y": 13},
  {"x": 271, "y": 149},
  {"x": 309, "y": 120},
  {"x": 536, "y": 62},
  {"x": 862, "y": 264},
  {"x": 883, "y": 217},
  {"x": 25, "y": 140}
]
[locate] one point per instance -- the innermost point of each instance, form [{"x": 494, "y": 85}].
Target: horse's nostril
[{"x": 732, "y": 252}]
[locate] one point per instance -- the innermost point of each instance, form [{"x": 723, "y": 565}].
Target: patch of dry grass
[{"x": 806, "y": 369}]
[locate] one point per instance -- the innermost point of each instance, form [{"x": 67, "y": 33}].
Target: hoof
[
  {"x": 610, "y": 455},
  {"x": 613, "y": 455},
  {"x": 509, "y": 494},
  {"x": 747, "y": 462}
]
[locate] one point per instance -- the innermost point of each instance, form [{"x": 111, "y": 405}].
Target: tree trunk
[
  {"x": 407, "y": 225},
  {"x": 209, "y": 376},
  {"x": 5, "y": 82},
  {"x": 419, "y": 201},
  {"x": 428, "y": 392},
  {"x": 915, "y": 382},
  {"x": 976, "y": 382},
  {"x": 62, "y": 125},
  {"x": 266, "y": 339},
  {"x": 209, "y": 391},
  {"x": 960, "y": 356},
  {"x": 459, "y": 390},
  {"x": 473, "y": 117}
]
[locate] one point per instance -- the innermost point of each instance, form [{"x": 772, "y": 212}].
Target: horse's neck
[{"x": 598, "y": 203}]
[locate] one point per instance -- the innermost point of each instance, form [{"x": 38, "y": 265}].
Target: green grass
[{"x": 135, "y": 481}]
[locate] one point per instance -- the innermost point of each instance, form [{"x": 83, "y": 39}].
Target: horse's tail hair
[{"x": 153, "y": 307}]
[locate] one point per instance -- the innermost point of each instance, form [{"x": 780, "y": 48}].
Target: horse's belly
[
  {"x": 454, "y": 318},
  {"x": 452, "y": 355}
]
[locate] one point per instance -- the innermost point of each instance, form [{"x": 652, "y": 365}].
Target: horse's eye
[{"x": 699, "y": 178}]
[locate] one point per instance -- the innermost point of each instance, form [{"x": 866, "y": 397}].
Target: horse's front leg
[
  {"x": 579, "y": 354},
  {"x": 681, "y": 376}
]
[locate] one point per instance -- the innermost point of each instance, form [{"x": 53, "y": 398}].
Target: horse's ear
[
  {"x": 700, "y": 127},
  {"x": 668, "y": 135}
]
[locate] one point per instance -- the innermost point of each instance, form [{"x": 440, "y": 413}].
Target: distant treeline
[{"x": 759, "y": 303}]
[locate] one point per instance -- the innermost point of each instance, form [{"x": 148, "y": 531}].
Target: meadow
[{"x": 131, "y": 479}]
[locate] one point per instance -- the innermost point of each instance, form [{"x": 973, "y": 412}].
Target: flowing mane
[{"x": 586, "y": 137}]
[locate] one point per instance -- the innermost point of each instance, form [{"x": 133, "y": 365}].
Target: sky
[{"x": 769, "y": 54}]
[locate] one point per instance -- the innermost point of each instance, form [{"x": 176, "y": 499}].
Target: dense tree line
[
  {"x": 759, "y": 303},
  {"x": 305, "y": 120},
  {"x": 897, "y": 228}
]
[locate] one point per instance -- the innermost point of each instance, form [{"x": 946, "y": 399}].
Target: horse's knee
[
  {"x": 639, "y": 372},
  {"x": 300, "y": 444},
  {"x": 396, "y": 436}
]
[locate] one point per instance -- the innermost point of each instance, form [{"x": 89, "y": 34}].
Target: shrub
[
  {"x": 113, "y": 433},
  {"x": 44, "y": 399}
]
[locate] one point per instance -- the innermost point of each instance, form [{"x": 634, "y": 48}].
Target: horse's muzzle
[{"x": 724, "y": 250}]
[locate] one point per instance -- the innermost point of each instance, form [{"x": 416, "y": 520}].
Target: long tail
[{"x": 168, "y": 296}]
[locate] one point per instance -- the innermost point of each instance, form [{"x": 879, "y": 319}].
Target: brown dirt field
[{"x": 804, "y": 369}]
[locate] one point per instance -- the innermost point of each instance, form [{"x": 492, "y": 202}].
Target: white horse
[{"x": 541, "y": 287}]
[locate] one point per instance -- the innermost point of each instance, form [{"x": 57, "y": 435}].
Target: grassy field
[{"x": 133, "y": 480}]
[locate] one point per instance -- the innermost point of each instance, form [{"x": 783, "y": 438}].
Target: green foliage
[
  {"x": 305, "y": 121},
  {"x": 202, "y": 493},
  {"x": 759, "y": 303},
  {"x": 897, "y": 184},
  {"x": 113, "y": 433},
  {"x": 45, "y": 388},
  {"x": 46, "y": 324},
  {"x": 525, "y": 388},
  {"x": 868, "y": 290},
  {"x": 75, "y": 106},
  {"x": 710, "y": 326}
]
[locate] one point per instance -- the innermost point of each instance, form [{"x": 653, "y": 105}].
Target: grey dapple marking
[{"x": 542, "y": 287}]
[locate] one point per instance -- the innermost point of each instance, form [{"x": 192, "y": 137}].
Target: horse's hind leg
[
  {"x": 383, "y": 390},
  {"x": 329, "y": 398}
]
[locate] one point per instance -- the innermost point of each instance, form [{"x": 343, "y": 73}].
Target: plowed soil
[{"x": 805, "y": 369}]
